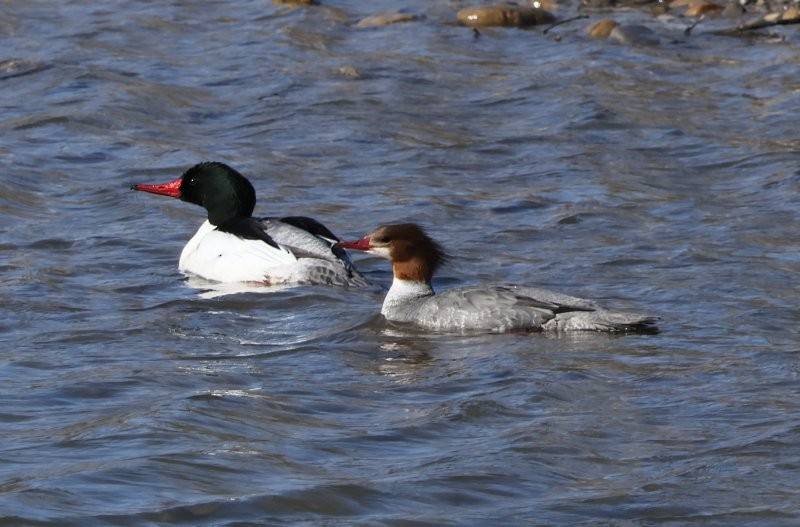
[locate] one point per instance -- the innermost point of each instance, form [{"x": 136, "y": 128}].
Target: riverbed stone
[
  {"x": 704, "y": 8},
  {"x": 634, "y": 35},
  {"x": 630, "y": 34},
  {"x": 547, "y": 5},
  {"x": 385, "y": 19},
  {"x": 732, "y": 10},
  {"x": 601, "y": 28},
  {"x": 504, "y": 15},
  {"x": 791, "y": 14}
]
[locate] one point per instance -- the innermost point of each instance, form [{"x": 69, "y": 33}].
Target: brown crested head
[{"x": 414, "y": 254}]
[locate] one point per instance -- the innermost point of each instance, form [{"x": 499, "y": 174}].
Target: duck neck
[
  {"x": 403, "y": 291},
  {"x": 220, "y": 216},
  {"x": 229, "y": 204},
  {"x": 411, "y": 280}
]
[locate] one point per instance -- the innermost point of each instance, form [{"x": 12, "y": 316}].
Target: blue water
[{"x": 661, "y": 179}]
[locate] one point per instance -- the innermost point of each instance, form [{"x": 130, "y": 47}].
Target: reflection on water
[{"x": 657, "y": 179}]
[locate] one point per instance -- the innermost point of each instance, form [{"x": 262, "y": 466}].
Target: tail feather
[{"x": 603, "y": 320}]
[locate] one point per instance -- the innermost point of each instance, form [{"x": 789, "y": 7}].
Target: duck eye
[{"x": 383, "y": 239}]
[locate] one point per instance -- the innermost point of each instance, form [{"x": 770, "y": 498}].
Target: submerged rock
[
  {"x": 634, "y": 35},
  {"x": 732, "y": 10},
  {"x": 385, "y": 19},
  {"x": 630, "y": 34},
  {"x": 547, "y": 5},
  {"x": 504, "y": 15},
  {"x": 791, "y": 14},
  {"x": 349, "y": 71},
  {"x": 602, "y": 28}
]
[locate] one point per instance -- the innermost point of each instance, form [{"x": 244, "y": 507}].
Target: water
[{"x": 658, "y": 179}]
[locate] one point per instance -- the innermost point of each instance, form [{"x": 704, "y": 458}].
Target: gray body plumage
[
  {"x": 318, "y": 259},
  {"x": 505, "y": 307}
]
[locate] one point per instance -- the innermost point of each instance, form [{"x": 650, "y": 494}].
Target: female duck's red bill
[
  {"x": 358, "y": 245},
  {"x": 171, "y": 189}
]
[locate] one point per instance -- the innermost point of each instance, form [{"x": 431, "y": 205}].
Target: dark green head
[{"x": 221, "y": 190}]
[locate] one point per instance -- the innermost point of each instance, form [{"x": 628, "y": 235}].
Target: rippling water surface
[{"x": 663, "y": 179}]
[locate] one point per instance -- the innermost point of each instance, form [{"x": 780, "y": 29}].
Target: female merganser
[
  {"x": 496, "y": 308},
  {"x": 232, "y": 246}
]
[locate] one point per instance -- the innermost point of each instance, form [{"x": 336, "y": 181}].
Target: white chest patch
[
  {"x": 223, "y": 257},
  {"x": 402, "y": 293}
]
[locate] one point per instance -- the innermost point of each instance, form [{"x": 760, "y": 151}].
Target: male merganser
[
  {"x": 232, "y": 246},
  {"x": 496, "y": 308}
]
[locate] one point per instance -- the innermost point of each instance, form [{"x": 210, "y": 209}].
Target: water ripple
[{"x": 661, "y": 180}]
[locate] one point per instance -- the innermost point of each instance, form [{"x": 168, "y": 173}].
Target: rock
[
  {"x": 789, "y": 16},
  {"x": 385, "y": 19},
  {"x": 634, "y": 35},
  {"x": 658, "y": 9},
  {"x": 792, "y": 14},
  {"x": 602, "y": 28},
  {"x": 700, "y": 7},
  {"x": 732, "y": 10},
  {"x": 703, "y": 8},
  {"x": 630, "y": 34},
  {"x": 547, "y": 5},
  {"x": 349, "y": 71},
  {"x": 504, "y": 15}
]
